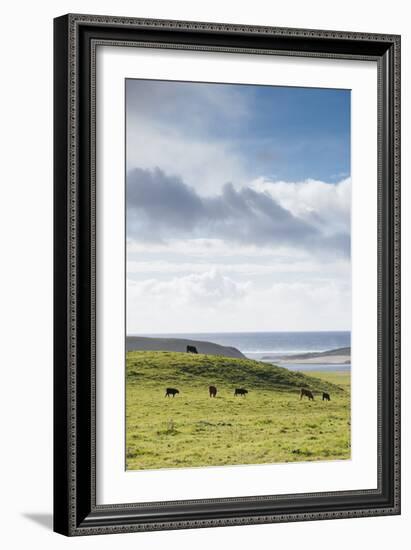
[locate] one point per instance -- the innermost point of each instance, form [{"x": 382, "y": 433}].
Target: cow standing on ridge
[{"x": 191, "y": 349}]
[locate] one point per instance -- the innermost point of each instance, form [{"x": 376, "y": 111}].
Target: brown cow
[
  {"x": 213, "y": 391},
  {"x": 326, "y": 396},
  {"x": 307, "y": 393}
]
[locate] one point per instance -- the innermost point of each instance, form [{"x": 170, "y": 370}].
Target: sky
[{"x": 238, "y": 208}]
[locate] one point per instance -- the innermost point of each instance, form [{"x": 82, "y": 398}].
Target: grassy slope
[
  {"x": 186, "y": 369},
  {"x": 270, "y": 425}
]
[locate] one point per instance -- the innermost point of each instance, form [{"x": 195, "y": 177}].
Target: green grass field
[{"x": 269, "y": 425}]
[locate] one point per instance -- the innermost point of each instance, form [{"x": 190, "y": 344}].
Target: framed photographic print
[{"x": 227, "y": 276}]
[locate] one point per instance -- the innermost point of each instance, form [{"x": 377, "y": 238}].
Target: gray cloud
[
  {"x": 160, "y": 206},
  {"x": 161, "y": 203}
]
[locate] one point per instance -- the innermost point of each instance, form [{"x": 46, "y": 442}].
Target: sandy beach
[
  {"x": 326, "y": 359},
  {"x": 340, "y": 356}
]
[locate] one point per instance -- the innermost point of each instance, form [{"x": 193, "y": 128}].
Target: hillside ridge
[
  {"x": 193, "y": 370},
  {"x": 148, "y": 343}
]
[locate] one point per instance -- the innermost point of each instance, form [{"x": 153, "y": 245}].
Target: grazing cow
[
  {"x": 171, "y": 391},
  {"x": 213, "y": 391},
  {"x": 307, "y": 393},
  {"x": 240, "y": 391},
  {"x": 191, "y": 349},
  {"x": 326, "y": 396}
]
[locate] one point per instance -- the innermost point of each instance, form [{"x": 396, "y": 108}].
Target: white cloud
[
  {"x": 169, "y": 127},
  {"x": 205, "y": 248},
  {"x": 325, "y": 206},
  {"x": 209, "y": 287},
  {"x": 211, "y": 302},
  {"x": 310, "y": 304},
  {"x": 186, "y": 258},
  {"x": 206, "y": 165},
  {"x": 183, "y": 304}
]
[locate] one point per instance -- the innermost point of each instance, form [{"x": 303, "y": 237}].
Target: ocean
[{"x": 256, "y": 345}]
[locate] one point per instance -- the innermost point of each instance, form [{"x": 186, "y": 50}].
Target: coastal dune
[{"x": 145, "y": 343}]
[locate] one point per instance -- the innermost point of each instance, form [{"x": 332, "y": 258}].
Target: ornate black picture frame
[{"x": 76, "y": 38}]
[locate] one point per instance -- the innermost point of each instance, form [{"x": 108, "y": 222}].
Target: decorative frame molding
[{"x": 76, "y": 40}]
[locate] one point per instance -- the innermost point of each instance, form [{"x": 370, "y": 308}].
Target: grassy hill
[
  {"x": 270, "y": 425},
  {"x": 149, "y": 343},
  {"x": 182, "y": 370}
]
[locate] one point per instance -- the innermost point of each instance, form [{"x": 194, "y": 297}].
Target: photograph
[{"x": 238, "y": 274}]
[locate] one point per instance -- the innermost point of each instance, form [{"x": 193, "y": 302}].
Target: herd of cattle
[{"x": 212, "y": 390}]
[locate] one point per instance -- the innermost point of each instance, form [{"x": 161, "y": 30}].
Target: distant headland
[{"x": 146, "y": 343}]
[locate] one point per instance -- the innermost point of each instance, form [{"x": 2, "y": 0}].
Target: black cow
[
  {"x": 240, "y": 391},
  {"x": 307, "y": 393},
  {"x": 171, "y": 391},
  {"x": 213, "y": 391},
  {"x": 191, "y": 349},
  {"x": 326, "y": 396}
]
